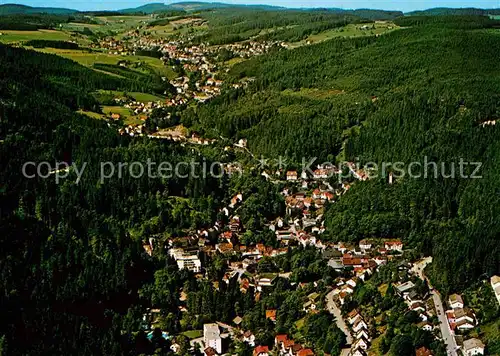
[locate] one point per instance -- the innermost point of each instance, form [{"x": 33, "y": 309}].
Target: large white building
[
  {"x": 211, "y": 337},
  {"x": 186, "y": 260}
]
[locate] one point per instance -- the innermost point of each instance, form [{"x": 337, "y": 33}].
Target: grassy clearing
[
  {"x": 375, "y": 346},
  {"x": 21, "y": 36},
  {"x": 126, "y": 115},
  {"x": 88, "y": 59},
  {"x": 137, "y": 96},
  {"x": 123, "y": 112},
  {"x": 234, "y": 61},
  {"x": 383, "y": 289},
  {"x": 92, "y": 115},
  {"x": 351, "y": 30},
  {"x": 193, "y": 334},
  {"x": 300, "y": 323}
]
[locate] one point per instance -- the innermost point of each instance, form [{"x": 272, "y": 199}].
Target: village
[
  {"x": 200, "y": 62},
  {"x": 302, "y": 227}
]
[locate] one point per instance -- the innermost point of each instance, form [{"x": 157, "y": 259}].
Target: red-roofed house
[
  {"x": 393, "y": 245},
  {"x": 261, "y": 351},
  {"x": 423, "y": 351},
  {"x": 292, "y": 175},
  {"x": 271, "y": 314}
]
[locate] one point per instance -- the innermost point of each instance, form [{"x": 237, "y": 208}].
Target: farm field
[
  {"x": 126, "y": 115},
  {"x": 88, "y": 59},
  {"x": 92, "y": 114},
  {"x": 351, "y": 30},
  {"x": 142, "y": 97},
  {"x": 21, "y": 36}
]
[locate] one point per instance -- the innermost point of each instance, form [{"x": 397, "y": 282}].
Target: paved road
[
  {"x": 333, "y": 309},
  {"x": 448, "y": 338}
]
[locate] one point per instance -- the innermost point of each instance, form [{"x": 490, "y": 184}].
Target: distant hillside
[
  {"x": 148, "y": 8},
  {"x": 439, "y": 11},
  {"x": 376, "y": 14},
  {"x": 15, "y": 9},
  {"x": 190, "y": 6},
  {"x": 197, "y": 5}
]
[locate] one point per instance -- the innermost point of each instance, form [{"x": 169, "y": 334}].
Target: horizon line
[{"x": 253, "y": 5}]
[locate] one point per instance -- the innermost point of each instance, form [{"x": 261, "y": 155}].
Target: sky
[{"x": 403, "y": 5}]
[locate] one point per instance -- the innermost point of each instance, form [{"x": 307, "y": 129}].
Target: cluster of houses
[
  {"x": 417, "y": 302},
  {"x": 459, "y": 316},
  {"x": 133, "y": 130},
  {"x": 252, "y": 48},
  {"x": 139, "y": 108},
  {"x": 216, "y": 341},
  {"x": 362, "y": 339},
  {"x": 285, "y": 346}
]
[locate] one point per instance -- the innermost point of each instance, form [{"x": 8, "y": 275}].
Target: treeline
[
  {"x": 51, "y": 44},
  {"x": 465, "y": 22},
  {"x": 155, "y": 53},
  {"x": 137, "y": 81},
  {"x": 33, "y": 22},
  {"x": 414, "y": 93},
  {"x": 440, "y": 11},
  {"x": 169, "y": 13},
  {"x": 233, "y": 26}
]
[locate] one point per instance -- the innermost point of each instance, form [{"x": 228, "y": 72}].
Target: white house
[
  {"x": 292, "y": 175},
  {"x": 425, "y": 325},
  {"x": 361, "y": 344},
  {"x": 352, "y": 282},
  {"x": 359, "y": 325},
  {"x": 455, "y": 301},
  {"x": 365, "y": 244},
  {"x": 393, "y": 245},
  {"x": 358, "y": 352},
  {"x": 473, "y": 347},
  {"x": 353, "y": 317},
  {"x": 249, "y": 338},
  {"x": 363, "y": 334},
  {"x": 211, "y": 337}
]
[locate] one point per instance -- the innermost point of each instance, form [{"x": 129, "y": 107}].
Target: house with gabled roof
[
  {"x": 261, "y": 351},
  {"x": 455, "y": 301},
  {"x": 271, "y": 314},
  {"x": 393, "y": 245},
  {"x": 363, "y": 334},
  {"x": 473, "y": 347},
  {"x": 361, "y": 343},
  {"x": 359, "y": 325},
  {"x": 423, "y": 351}
]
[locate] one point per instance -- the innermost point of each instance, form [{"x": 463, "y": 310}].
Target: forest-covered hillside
[
  {"x": 420, "y": 91},
  {"x": 70, "y": 268}
]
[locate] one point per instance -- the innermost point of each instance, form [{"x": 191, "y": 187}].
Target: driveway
[
  {"x": 333, "y": 309},
  {"x": 448, "y": 338}
]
